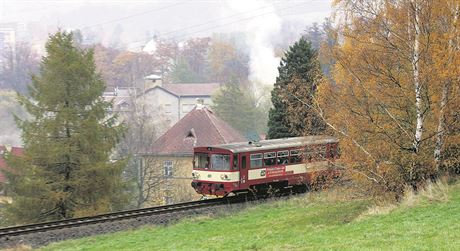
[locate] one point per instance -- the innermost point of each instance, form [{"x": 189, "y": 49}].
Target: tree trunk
[{"x": 416, "y": 78}]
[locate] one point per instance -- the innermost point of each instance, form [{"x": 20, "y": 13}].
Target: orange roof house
[
  {"x": 172, "y": 153},
  {"x": 17, "y": 151},
  {"x": 200, "y": 127}
]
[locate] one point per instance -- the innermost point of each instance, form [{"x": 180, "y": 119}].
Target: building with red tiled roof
[
  {"x": 200, "y": 127},
  {"x": 17, "y": 151},
  {"x": 172, "y": 154}
]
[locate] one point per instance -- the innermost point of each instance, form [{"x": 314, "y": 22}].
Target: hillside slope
[{"x": 313, "y": 222}]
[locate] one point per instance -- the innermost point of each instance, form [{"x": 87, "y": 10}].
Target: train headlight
[
  {"x": 224, "y": 177},
  {"x": 195, "y": 175}
]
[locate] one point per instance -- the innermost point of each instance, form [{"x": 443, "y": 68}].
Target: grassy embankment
[{"x": 427, "y": 221}]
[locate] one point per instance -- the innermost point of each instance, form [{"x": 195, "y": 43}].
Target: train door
[{"x": 244, "y": 160}]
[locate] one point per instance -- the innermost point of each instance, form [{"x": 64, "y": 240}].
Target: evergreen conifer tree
[
  {"x": 65, "y": 171},
  {"x": 235, "y": 106},
  {"x": 292, "y": 95}
]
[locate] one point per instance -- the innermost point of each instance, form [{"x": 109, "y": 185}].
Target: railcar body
[{"x": 258, "y": 167}]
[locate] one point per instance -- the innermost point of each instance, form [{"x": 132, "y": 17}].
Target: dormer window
[{"x": 191, "y": 134}]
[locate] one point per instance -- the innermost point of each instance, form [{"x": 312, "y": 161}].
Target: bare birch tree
[{"x": 144, "y": 124}]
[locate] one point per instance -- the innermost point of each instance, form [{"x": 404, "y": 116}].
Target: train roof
[{"x": 276, "y": 143}]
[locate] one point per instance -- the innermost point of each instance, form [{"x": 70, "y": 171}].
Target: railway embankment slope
[{"x": 329, "y": 220}]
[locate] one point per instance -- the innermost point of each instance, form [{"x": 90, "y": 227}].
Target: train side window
[
  {"x": 256, "y": 160},
  {"x": 309, "y": 153},
  {"x": 270, "y": 159},
  {"x": 296, "y": 156},
  {"x": 321, "y": 152},
  {"x": 283, "y": 157},
  {"x": 335, "y": 151},
  {"x": 235, "y": 162},
  {"x": 243, "y": 162},
  {"x": 332, "y": 151}
]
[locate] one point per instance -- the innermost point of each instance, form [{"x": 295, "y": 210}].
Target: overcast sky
[{"x": 168, "y": 18}]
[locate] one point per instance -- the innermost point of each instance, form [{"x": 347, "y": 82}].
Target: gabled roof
[
  {"x": 188, "y": 89},
  {"x": 17, "y": 151},
  {"x": 192, "y": 89},
  {"x": 200, "y": 127}
]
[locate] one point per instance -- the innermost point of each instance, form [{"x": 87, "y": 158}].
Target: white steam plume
[{"x": 260, "y": 32}]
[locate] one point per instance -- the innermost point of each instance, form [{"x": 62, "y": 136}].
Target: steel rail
[{"x": 116, "y": 216}]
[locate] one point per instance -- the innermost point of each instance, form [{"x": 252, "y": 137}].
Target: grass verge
[{"x": 326, "y": 221}]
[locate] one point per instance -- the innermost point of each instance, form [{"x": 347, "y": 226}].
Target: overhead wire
[
  {"x": 176, "y": 37},
  {"x": 134, "y": 15},
  {"x": 122, "y": 18},
  {"x": 174, "y": 34}
]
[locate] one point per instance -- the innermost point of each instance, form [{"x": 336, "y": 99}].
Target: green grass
[{"x": 313, "y": 222}]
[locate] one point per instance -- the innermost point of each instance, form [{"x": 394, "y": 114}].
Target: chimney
[
  {"x": 199, "y": 103},
  {"x": 152, "y": 80}
]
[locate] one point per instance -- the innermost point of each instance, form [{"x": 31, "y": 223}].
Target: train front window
[
  {"x": 220, "y": 162},
  {"x": 201, "y": 161}
]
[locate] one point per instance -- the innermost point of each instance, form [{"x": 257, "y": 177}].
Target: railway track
[{"x": 111, "y": 217}]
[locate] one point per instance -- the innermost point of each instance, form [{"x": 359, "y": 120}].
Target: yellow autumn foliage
[{"x": 387, "y": 53}]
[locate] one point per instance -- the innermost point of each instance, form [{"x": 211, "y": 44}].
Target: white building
[
  {"x": 176, "y": 100},
  {"x": 170, "y": 101}
]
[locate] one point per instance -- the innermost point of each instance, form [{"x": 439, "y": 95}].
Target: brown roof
[
  {"x": 192, "y": 89},
  {"x": 200, "y": 127},
  {"x": 17, "y": 151}
]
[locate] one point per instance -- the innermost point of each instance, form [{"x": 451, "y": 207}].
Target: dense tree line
[{"x": 194, "y": 60}]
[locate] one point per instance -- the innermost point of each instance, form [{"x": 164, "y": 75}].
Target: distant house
[
  {"x": 170, "y": 101},
  {"x": 121, "y": 97},
  {"x": 171, "y": 155},
  {"x": 178, "y": 99},
  {"x": 17, "y": 151}
]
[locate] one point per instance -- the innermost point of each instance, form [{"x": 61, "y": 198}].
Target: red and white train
[{"x": 259, "y": 167}]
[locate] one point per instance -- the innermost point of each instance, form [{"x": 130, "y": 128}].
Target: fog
[
  {"x": 130, "y": 25},
  {"x": 137, "y": 21}
]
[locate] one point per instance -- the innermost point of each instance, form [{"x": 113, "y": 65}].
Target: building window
[
  {"x": 168, "y": 108},
  {"x": 168, "y": 166},
  {"x": 187, "y": 107}
]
